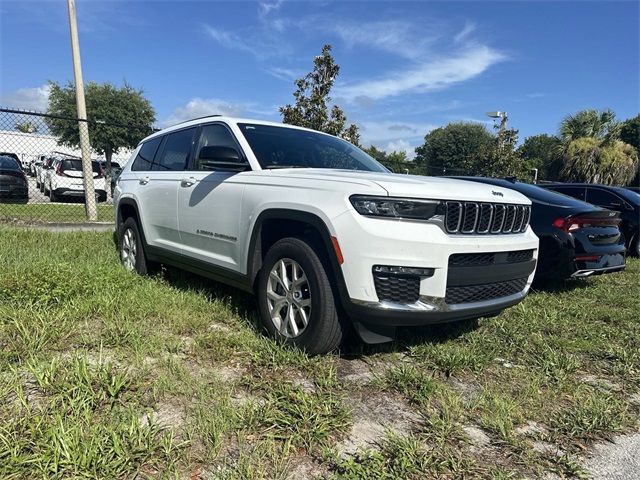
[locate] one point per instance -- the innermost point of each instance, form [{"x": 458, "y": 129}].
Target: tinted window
[
  {"x": 281, "y": 147},
  {"x": 145, "y": 156},
  {"x": 76, "y": 165},
  {"x": 600, "y": 197},
  {"x": 217, "y": 136},
  {"x": 175, "y": 153},
  {"x": 7, "y": 163},
  {"x": 631, "y": 196},
  {"x": 575, "y": 192}
]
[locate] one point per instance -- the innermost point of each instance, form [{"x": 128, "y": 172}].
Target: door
[
  {"x": 210, "y": 204},
  {"x": 157, "y": 188}
]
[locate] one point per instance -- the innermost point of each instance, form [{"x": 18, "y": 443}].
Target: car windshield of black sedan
[
  {"x": 282, "y": 147},
  {"x": 8, "y": 163}
]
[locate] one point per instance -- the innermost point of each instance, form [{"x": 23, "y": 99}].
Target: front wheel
[
  {"x": 131, "y": 249},
  {"x": 296, "y": 300}
]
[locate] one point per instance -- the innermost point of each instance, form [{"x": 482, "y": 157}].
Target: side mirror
[{"x": 220, "y": 158}]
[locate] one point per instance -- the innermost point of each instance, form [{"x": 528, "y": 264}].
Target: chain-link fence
[{"x": 41, "y": 175}]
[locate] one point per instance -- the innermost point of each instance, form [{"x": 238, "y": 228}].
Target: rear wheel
[
  {"x": 131, "y": 248},
  {"x": 295, "y": 298},
  {"x": 635, "y": 246},
  {"x": 52, "y": 196}
]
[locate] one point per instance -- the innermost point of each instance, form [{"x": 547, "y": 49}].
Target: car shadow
[{"x": 559, "y": 286}]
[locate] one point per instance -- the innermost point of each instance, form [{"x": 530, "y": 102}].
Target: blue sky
[{"x": 406, "y": 67}]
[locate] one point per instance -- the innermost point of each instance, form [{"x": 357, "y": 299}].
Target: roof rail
[{"x": 197, "y": 118}]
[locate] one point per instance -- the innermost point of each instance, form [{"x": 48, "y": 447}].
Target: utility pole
[{"x": 83, "y": 126}]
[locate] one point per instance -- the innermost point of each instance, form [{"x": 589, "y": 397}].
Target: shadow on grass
[
  {"x": 245, "y": 305},
  {"x": 559, "y": 286}
]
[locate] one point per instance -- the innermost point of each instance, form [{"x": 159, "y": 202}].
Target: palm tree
[{"x": 591, "y": 149}]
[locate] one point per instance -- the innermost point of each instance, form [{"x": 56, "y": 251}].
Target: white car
[
  {"x": 65, "y": 180},
  {"x": 320, "y": 232}
]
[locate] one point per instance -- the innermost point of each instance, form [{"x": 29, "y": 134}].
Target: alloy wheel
[
  {"x": 289, "y": 298},
  {"x": 129, "y": 249}
]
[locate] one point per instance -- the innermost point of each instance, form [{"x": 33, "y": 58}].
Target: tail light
[
  {"x": 570, "y": 224},
  {"x": 59, "y": 170}
]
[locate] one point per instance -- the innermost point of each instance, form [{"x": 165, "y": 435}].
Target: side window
[
  {"x": 145, "y": 156},
  {"x": 213, "y": 136},
  {"x": 175, "y": 154},
  {"x": 602, "y": 198},
  {"x": 575, "y": 192}
]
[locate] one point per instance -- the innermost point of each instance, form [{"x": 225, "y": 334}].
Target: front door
[{"x": 210, "y": 205}]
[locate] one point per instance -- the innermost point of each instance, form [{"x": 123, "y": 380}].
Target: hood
[{"x": 413, "y": 186}]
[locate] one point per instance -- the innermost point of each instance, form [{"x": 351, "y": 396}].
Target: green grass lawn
[
  {"x": 51, "y": 213},
  {"x": 105, "y": 374}
]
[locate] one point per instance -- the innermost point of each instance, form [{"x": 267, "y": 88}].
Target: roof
[{"x": 226, "y": 119}]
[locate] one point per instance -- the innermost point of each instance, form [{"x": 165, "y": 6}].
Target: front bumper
[{"x": 425, "y": 245}]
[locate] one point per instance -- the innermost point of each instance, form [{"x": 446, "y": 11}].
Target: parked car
[
  {"x": 13, "y": 183},
  {"x": 577, "y": 239},
  {"x": 41, "y": 171},
  {"x": 33, "y": 166},
  {"x": 65, "y": 179},
  {"x": 322, "y": 233},
  {"x": 620, "y": 199}
]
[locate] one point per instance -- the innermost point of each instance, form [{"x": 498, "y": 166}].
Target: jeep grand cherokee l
[{"x": 319, "y": 231}]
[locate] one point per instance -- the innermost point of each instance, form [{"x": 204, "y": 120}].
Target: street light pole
[{"x": 83, "y": 127}]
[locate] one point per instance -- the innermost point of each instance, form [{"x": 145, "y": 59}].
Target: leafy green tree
[
  {"x": 26, "y": 127},
  {"x": 312, "y": 99},
  {"x": 544, "y": 153},
  {"x": 396, "y": 161},
  {"x": 588, "y": 160},
  {"x": 590, "y": 123},
  {"x": 630, "y": 133},
  {"x": 118, "y": 117},
  {"x": 500, "y": 158},
  {"x": 452, "y": 148},
  {"x": 592, "y": 149}
]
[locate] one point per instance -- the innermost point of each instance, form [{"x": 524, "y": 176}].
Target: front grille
[
  {"x": 488, "y": 291},
  {"x": 397, "y": 288},
  {"x": 490, "y": 258},
  {"x": 483, "y": 218}
]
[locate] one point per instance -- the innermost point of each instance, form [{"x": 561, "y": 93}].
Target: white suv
[
  {"x": 323, "y": 234},
  {"x": 64, "y": 179}
]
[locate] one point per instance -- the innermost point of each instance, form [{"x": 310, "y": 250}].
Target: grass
[
  {"x": 51, "y": 213},
  {"x": 104, "y": 374}
]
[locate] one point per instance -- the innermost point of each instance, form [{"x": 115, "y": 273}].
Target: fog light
[{"x": 414, "y": 271}]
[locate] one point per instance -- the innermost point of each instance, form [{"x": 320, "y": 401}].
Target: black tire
[
  {"x": 141, "y": 265},
  {"x": 52, "y": 196},
  {"x": 634, "y": 248},
  {"x": 325, "y": 330}
]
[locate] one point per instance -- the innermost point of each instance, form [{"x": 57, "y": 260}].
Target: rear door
[
  {"x": 210, "y": 204},
  {"x": 158, "y": 175}
]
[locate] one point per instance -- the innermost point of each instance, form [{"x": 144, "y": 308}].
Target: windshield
[
  {"x": 8, "y": 163},
  {"x": 282, "y": 147}
]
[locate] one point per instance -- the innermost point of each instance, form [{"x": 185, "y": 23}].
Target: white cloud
[
  {"x": 389, "y": 135},
  {"x": 260, "y": 45},
  {"x": 202, "y": 107},
  {"x": 432, "y": 75},
  {"x": 397, "y": 37},
  {"x": 284, "y": 73},
  {"x": 402, "y": 146},
  {"x": 467, "y": 30},
  {"x": 36, "y": 98},
  {"x": 267, "y": 7}
]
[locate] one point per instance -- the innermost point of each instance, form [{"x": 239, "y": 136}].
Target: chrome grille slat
[{"x": 485, "y": 218}]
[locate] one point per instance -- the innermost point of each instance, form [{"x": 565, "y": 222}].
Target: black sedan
[
  {"x": 577, "y": 239},
  {"x": 13, "y": 183},
  {"x": 623, "y": 200}
]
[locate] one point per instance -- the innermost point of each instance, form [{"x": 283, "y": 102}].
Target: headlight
[{"x": 391, "y": 207}]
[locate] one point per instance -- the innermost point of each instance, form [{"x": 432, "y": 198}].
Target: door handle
[
  {"x": 187, "y": 182},
  {"x": 144, "y": 180}
]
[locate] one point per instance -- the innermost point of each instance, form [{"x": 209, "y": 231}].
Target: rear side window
[
  {"x": 145, "y": 156},
  {"x": 600, "y": 197},
  {"x": 575, "y": 192},
  {"x": 176, "y": 151}
]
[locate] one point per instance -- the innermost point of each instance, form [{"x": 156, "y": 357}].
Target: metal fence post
[{"x": 85, "y": 147}]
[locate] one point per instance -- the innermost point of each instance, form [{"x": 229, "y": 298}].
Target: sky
[{"x": 405, "y": 67}]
